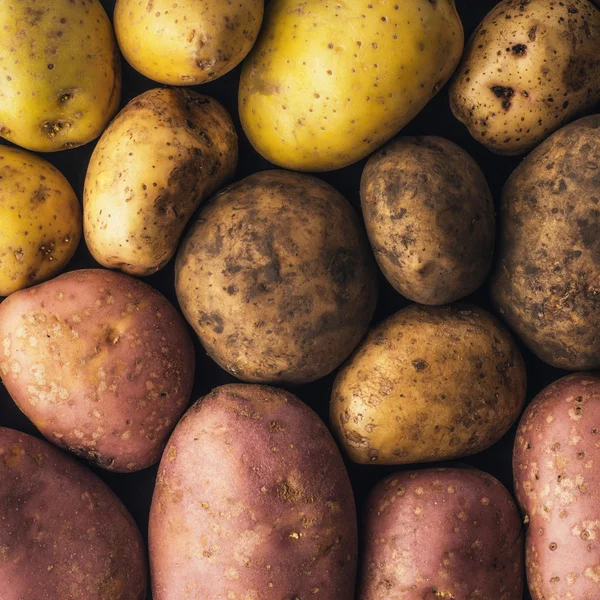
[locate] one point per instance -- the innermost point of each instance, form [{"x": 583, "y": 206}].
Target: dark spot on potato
[
  {"x": 519, "y": 49},
  {"x": 505, "y": 93},
  {"x": 532, "y": 33},
  {"x": 52, "y": 128},
  {"x": 419, "y": 365},
  {"x": 213, "y": 320}
]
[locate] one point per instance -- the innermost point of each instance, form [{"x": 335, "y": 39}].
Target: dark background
[{"x": 135, "y": 490}]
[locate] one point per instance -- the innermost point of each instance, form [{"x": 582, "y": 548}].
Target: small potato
[
  {"x": 63, "y": 534},
  {"x": 163, "y": 154},
  {"x": 428, "y": 384},
  {"x": 441, "y": 534},
  {"x": 101, "y": 363},
  {"x": 40, "y": 220},
  {"x": 430, "y": 217},
  {"x": 531, "y": 66},
  {"x": 252, "y": 500},
  {"x": 186, "y": 42},
  {"x": 556, "y": 464}
]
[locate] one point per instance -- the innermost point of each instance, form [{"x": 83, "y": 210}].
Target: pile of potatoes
[{"x": 436, "y": 304}]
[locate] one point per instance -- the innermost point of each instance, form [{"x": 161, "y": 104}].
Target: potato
[
  {"x": 547, "y": 282},
  {"x": 100, "y": 362},
  {"x": 63, "y": 533},
  {"x": 41, "y": 220},
  {"x": 252, "y": 501},
  {"x": 165, "y": 152},
  {"x": 531, "y": 66},
  {"x": 186, "y": 43},
  {"x": 430, "y": 217},
  {"x": 327, "y": 83},
  {"x": 60, "y": 70},
  {"x": 428, "y": 384},
  {"x": 276, "y": 278},
  {"x": 556, "y": 464},
  {"x": 441, "y": 534}
]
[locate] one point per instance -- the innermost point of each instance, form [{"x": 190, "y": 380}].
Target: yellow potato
[
  {"x": 40, "y": 220},
  {"x": 60, "y": 73},
  {"x": 328, "y": 83},
  {"x": 186, "y": 42}
]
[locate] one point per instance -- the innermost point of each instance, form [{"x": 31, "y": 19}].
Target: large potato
[
  {"x": 276, "y": 278},
  {"x": 428, "y": 384},
  {"x": 165, "y": 152},
  {"x": 547, "y": 282},
  {"x": 100, "y": 362},
  {"x": 430, "y": 217},
  {"x": 186, "y": 42},
  {"x": 530, "y": 66},
  {"x": 40, "y": 220},
  {"x": 252, "y": 501},
  {"x": 60, "y": 71},
  {"x": 556, "y": 464},
  {"x": 328, "y": 83},
  {"x": 441, "y": 534},
  {"x": 63, "y": 534}
]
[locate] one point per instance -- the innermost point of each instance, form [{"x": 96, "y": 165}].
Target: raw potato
[
  {"x": 547, "y": 282},
  {"x": 63, "y": 533},
  {"x": 252, "y": 500},
  {"x": 101, "y": 363},
  {"x": 40, "y": 217},
  {"x": 187, "y": 42},
  {"x": 530, "y": 66},
  {"x": 556, "y": 463},
  {"x": 61, "y": 73},
  {"x": 277, "y": 279},
  {"x": 442, "y": 534},
  {"x": 428, "y": 384},
  {"x": 328, "y": 83},
  {"x": 430, "y": 217},
  {"x": 163, "y": 154}
]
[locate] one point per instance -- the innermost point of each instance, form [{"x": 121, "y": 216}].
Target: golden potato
[
  {"x": 187, "y": 42},
  {"x": 60, "y": 70},
  {"x": 327, "y": 83},
  {"x": 165, "y": 152},
  {"x": 40, "y": 220},
  {"x": 530, "y": 66}
]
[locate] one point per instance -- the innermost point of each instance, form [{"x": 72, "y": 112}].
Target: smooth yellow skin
[
  {"x": 328, "y": 82},
  {"x": 40, "y": 220},
  {"x": 187, "y": 42},
  {"x": 59, "y": 71}
]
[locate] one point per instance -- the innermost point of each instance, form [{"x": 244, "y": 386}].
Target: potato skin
[
  {"x": 187, "y": 42},
  {"x": 531, "y": 66},
  {"x": 430, "y": 218},
  {"x": 63, "y": 533},
  {"x": 163, "y": 154},
  {"x": 61, "y": 79},
  {"x": 441, "y": 533},
  {"x": 276, "y": 278},
  {"x": 100, "y": 362},
  {"x": 327, "y": 83},
  {"x": 41, "y": 220},
  {"x": 252, "y": 500},
  {"x": 428, "y": 384},
  {"x": 547, "y": 281}
]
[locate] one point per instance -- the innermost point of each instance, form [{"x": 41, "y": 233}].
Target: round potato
[
  {"x": 556, "y": 463},
  {"x": 531, "y": 66},
  {"x": 41, "y": 220},
  {"x": 547, "y": 282},
  {"x": 430, "y": 217},
  {"x": 442, "y": 534},
  {"x": 186, "y": 42},
  {"x": 277, "y": 279},
  {"x": 163, "y": 154},
  {"x": 252, "y": 500},
  {"x": 101, "y": 363},
  {"x": 63, "y": 533},
  {"x": 428, "y": 384},
  {"x": 60, "y": 70}
]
